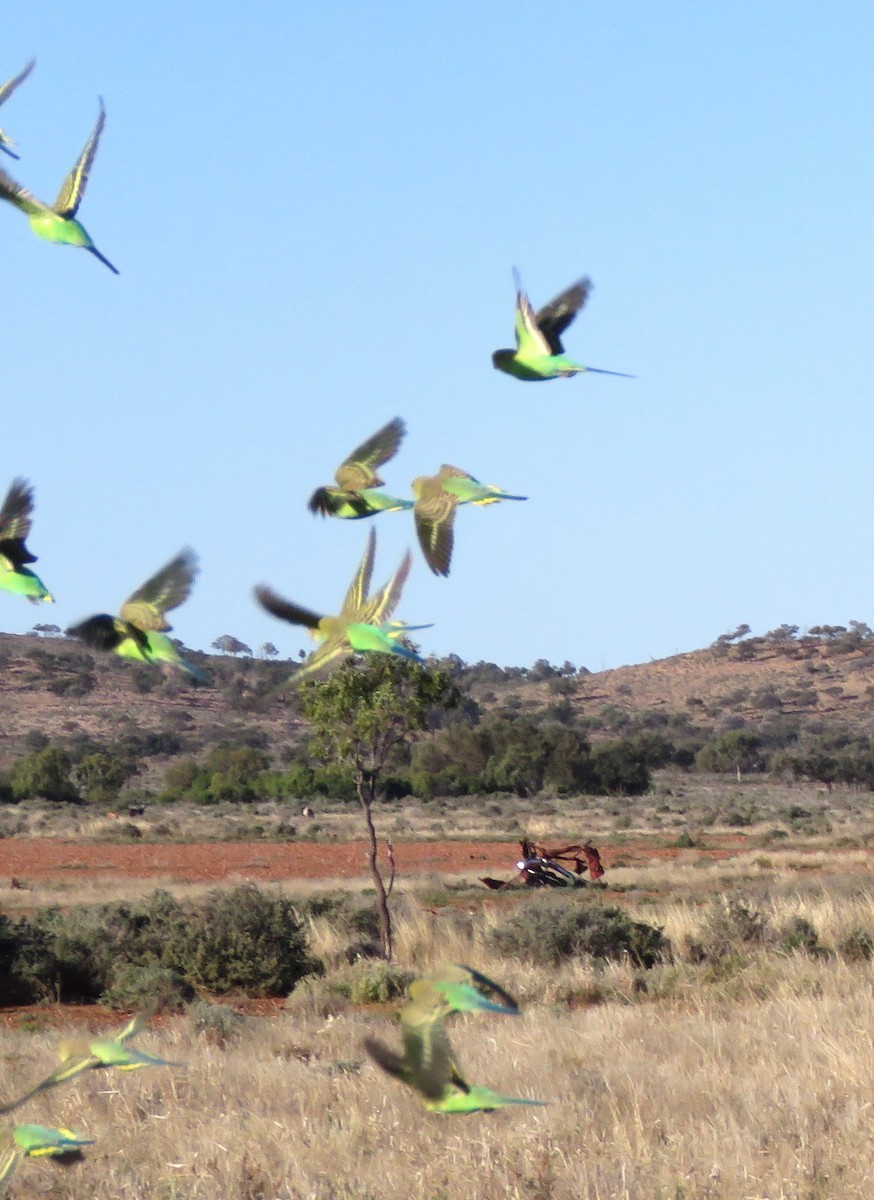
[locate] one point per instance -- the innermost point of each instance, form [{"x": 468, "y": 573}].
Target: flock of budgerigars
[
  {"x": 363, "y": 624},
  {"x": 428, "y": 1064}
]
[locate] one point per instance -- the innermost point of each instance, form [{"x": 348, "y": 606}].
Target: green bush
[
  {"x": 239, "y": 939},
  {"x": 547, "y": 930},
  {"x": 146, "y": 987}
]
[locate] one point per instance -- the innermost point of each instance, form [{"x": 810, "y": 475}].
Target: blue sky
[{"x": 316, "y": 209}]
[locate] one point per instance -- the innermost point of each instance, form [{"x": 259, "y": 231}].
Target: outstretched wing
[
  {"x": 7, "y": 89},
  {"x": 17, "y": 511},
  {"x": 166, "y": 589},
  {"x": 19, "y": 196},
  {"x": 358, "y": 470},
  {"x": 333, "y": 648},
  {"x": 530, "y": 342},
  {"x": 553, "y": 319},
  {"x": 434, "y": 511},
  {"x": 73, "y": 187},
  {"x": 286, "y": 610},
  {"x": 380, "y": 606},
  {"x": 11, "y": 1153},
  {"x": 356, "y": 594}
]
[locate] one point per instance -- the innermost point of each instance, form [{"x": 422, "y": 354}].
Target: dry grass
[{"x": 750, "y": 1085}]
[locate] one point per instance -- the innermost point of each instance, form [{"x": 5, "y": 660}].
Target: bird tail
[{"x": 103, "y": 259}]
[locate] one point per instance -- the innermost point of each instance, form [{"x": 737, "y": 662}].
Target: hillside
[{"x": 51, "y": 687}]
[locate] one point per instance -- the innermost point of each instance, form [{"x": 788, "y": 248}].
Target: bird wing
[
  {"x": 286, "y": 610},
  {"x": 465, "y": 989},
  {"x": 19, "y": 196},
  {"x": 73, "y": 187},
  {"x": 427, "y": 1050},
  {"x": 381, "y": 605},
  {"x": 332, "y": 648},
  {"x": 11, "y": 1154},
  {"x": 356, "y": 594},
  {"x": 530, "y": 342},
  {"x": 7, "y": 89},
  {"x": 134, "y": 1026},
  {"x": 553, "y": 319},
  {"x": 357, "y": 471},
  {"x": 166, "y": 589},
  {"x": 434, "y": 511},
  {"x": 102, "y": 632},
  {"x": 17, "y": 511}
]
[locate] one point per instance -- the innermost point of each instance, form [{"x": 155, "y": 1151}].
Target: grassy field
[{"x": 739, "y": 1069}]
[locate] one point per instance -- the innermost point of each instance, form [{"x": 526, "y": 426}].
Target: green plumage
[
  {"x": 362, "y": 623},
  {"x": 357, "y": 492},
  {"x": 539, "y": 352},
  {"x": 6, "y": 90},
  {"x": 57, "y": 222},
  {"x": 15, "y": 522},
  {"x": 428, "y": 1063},
  {"x": 437, "y": 498},
  {"x": 138, "y": 632},
  {"x": 18, "y": 1142},
  {"x": 78, "y": 1055}
]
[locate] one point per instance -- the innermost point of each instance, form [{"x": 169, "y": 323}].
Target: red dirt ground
[{"x": 39, "y": 859}]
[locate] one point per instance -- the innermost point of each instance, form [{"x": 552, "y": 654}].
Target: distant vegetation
[{"x": 783, "y": 704}]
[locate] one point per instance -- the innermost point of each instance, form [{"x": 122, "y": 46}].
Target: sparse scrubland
[
  {"x": 701, "y": 1024},
  {"x": 737, "y": 1066}
]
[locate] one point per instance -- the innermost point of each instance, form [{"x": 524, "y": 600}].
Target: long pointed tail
[{"x": 103, "y": 259}]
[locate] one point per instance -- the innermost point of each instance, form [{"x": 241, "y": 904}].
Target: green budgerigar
[
  {"x": 57, "y": 222},
  {"x": 357, "y": 492},
  {"x": 6, "y": 90},
  {"x": 18, "y": 1142},
  {"x": 363, "y": 621},
  {"x": 140, "y": 629},
  {"x": 15, "y": 521},
  {"x": 539, "y": 352},
  {"x": 437, "y": 498},
  {"x": 428, "y": 1064},
  {"x": 78, "y": 1055}
]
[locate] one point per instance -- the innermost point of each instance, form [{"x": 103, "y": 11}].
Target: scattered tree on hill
[
  {"x": 268, "y": 650},
  {"x": 361, "y": 716},
  {"x": 227, "y": 644},
  {"x": 47, "y": 630}
]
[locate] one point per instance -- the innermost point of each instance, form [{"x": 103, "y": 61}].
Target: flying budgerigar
[
  {"x": 437, "y": 497},
  {"x": 78, "y": 1055},
  {"x": 6, "y": 90},
  {"x": 357, "y": 493},
  {"x": 15, "y": 521},
  {"x": 428, "y": 1064},
  {"x": 139, "y": 631},
  {"x": 57, "y": 222},
  {"x": 18, "y": 1142},
  {"x": 539, "y": 353},
  {"x": 362, "y": 623}
]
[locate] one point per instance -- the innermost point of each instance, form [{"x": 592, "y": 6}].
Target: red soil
[{"x": 39, "y": 859}]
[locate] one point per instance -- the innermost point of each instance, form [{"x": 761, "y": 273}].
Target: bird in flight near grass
[
  {"x": 437, "y": 497},
  {"x": 6, "y": 90},
  {"x": 357, "y": 493},
  {"x": 539, "y": 352},
  {"x": 139, "y": 631},
  {"x": 428, "y": 1064},
  {"x": 78, "y": 1055},
  {"x": 362, "y": 623},
  {"x": 57, "y": 222},
  {"x": 15, "y": 521},
  {"x": 18, "y": 1142}
]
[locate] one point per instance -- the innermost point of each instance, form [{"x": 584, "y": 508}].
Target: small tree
[
  {"x": 228, "y": 644},
  {"x": 268, "y": 650},
  {"x": 360, "y": 717}
]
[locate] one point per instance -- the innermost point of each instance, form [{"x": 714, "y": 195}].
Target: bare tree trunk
[{"x": 381, "y": 894}]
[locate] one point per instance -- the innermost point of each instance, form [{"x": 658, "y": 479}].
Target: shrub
[
  {"x": 239, "y": 939},
  {"x": 547, "y": 931},
  {"x": 147, "y": 987}
]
